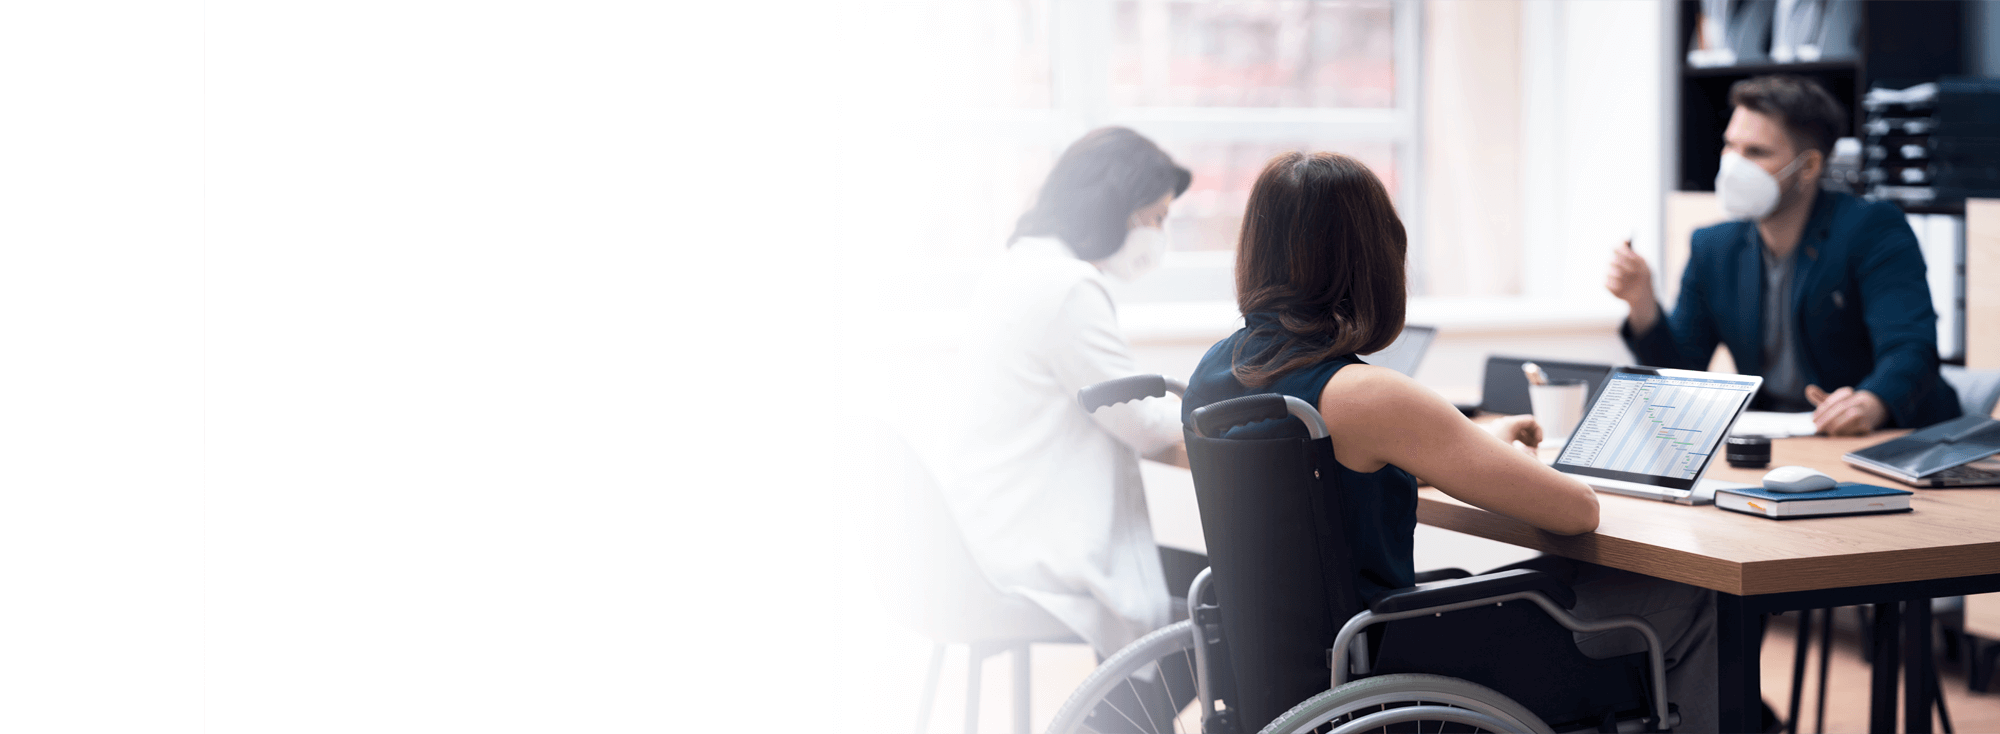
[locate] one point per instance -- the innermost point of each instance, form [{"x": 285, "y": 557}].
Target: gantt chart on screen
[{"x": 1648, "y": 424}]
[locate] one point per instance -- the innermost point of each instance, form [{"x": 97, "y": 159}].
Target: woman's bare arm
[{"x": 1377, "y": 416}]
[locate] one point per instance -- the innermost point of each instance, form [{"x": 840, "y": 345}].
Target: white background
[
  {"x": 419, "y": 366},
  {"x": 409, "y": 366}
]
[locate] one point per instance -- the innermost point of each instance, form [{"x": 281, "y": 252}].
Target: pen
[{"x": 1535, "y": 374}]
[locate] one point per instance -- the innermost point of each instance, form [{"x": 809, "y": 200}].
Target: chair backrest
[
  {"x": 928, "y": 576},
  {"x": 1978, "y": 390},
  {"x": 1271, "y": 513},
  {"x": 1505, "y": 389}
]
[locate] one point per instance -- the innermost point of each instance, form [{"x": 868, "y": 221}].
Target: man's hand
[
  {"x": 1846, "y": 411},
  {"x": 1519, "y": 430},
  {"x": 1631, "y": 280}
]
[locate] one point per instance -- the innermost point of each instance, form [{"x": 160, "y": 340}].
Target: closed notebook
[{"x": 1846, "y": 498}]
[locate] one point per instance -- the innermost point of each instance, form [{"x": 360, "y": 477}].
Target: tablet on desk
[{"x": 1653, "y": 433}]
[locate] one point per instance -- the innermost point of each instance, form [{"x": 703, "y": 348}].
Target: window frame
[{"x": 1083, "y": 32}]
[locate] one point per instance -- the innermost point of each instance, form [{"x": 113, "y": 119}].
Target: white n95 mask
[
  {"x": 1745, "y": 190},
  {"x": 1144, "y": 248}
]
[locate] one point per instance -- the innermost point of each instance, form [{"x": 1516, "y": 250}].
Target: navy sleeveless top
[{"x": 1381, "y": 506}]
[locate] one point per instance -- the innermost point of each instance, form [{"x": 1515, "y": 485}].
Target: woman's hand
[{"x": 1520, "y": 431}]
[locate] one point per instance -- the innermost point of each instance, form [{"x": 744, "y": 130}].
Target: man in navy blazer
[{"x": 1819, "y": 292}]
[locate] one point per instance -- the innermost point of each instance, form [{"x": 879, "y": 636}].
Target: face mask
[
  {"x": 1745, "y": 190},
  {"x": 1143, "y": 250}
]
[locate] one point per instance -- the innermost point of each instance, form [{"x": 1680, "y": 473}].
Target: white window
[{"x": 1221, "y": 85}]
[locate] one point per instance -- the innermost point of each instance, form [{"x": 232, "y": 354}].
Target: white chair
[
  {"x": 936, "y": 587},
  {"x": 1978, "y": 390}
]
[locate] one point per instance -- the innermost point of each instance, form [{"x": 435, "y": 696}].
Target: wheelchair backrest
[{"x": 1271, "y": 514}]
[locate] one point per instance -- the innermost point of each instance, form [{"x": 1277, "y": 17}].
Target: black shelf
[
  {"x": 1750, "y": 70},
  {"x": 1898, "y": 44},
  {"x": 1957, "y": 208}
]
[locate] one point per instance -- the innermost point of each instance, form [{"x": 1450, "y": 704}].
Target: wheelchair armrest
[
  {"x": 1473, "y": 588},
  {"x": 1441, "y": 574}
]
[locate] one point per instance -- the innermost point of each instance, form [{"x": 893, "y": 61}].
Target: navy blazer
[{"x": 1863, "y": 308}]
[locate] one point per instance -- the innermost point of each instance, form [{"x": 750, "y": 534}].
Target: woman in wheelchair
[{"x": 1320, "y": 281}]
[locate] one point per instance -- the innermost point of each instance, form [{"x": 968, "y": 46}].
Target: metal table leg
[
  {"x": 1825, "y": 662},
  {"x": 1917, "y": 685},
  {"x": 1882, "y": 689},
  {"x": 1802, "y": 646},
  {"x": 1739, "y": 697}
]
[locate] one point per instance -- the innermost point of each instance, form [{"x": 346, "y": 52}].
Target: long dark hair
[
  {"x": 1323, "y": 249},
  {"x": 1095, "y": 187}
]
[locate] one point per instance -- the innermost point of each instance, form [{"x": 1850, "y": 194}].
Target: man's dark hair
[
  {"x": 1810, "y": 115},
  {"x": 1095, "y": 187}
]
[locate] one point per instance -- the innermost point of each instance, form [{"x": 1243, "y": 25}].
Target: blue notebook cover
[
  {"x": 1843, "y": 499},
  {"x": 1843, "y": 490}
]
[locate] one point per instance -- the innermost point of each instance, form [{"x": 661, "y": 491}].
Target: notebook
[
  {"x": 1653, "y": 433},
  {"x": 1928, "y": 457},
  {"x": 1846, "y": 498}
]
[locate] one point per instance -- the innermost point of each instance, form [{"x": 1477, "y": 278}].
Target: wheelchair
[{"x": 1281, "y": 642}]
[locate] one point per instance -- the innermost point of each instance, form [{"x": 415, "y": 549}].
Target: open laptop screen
[
  {"x": 1657, "y": 427},
  {"x": 1407, "y": 351}
]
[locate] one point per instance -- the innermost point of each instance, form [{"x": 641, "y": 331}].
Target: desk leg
[
  {"x": 1739, "y": 696},
  {"x": 1916, "y": 666},
  {"x": 1882, "y": 699}
]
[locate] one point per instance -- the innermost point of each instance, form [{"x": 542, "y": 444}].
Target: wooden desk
[{"x": 1947, "y": 546}]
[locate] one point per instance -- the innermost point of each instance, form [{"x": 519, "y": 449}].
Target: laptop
[
  {"x": 1505, "y": 389},
  {"x": 1407, "y": 351},
  {"x": 1653, "y": 433},
  {"x": 1982, "y": 473},
  {"x": 1950, "y": 454}
]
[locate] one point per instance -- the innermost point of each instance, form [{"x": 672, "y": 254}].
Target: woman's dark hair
[
  {"x": 1810, "y": 115},
  {"x": 1323, "y": 249},
  {"x": 1095, "y": 187}
]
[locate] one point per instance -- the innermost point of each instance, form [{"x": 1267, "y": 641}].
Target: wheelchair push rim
[
  {"x": 1374, "y": 703},
  {"x": 1117, "y": 671}
]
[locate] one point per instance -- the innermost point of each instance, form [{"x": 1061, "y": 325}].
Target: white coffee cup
[{"x": 1558, "y": 407}]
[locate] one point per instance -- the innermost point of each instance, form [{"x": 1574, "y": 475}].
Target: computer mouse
[{"x": 1790, "y": 479}]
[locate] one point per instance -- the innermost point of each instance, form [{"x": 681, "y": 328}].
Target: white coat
[{"x": 1049, "y": 498}]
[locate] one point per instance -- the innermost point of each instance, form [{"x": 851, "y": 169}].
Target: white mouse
[{"x": 1790, "y": 479}]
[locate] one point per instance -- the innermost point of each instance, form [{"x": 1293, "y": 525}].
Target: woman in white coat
[{"x": 1048, "y": 497}]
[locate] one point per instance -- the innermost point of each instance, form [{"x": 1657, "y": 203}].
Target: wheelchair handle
[
  {"x": 1214, "y": 420},
  {"x": 1136, "y": 387}
]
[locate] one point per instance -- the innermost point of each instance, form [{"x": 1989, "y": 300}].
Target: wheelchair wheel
[
  {"x": 1138, "y": 689},
  {"x": 1408, "y": 702}
]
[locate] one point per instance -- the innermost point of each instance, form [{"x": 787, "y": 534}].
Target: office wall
[
  {"x": 1543, "y": 125},
  {"x": 1982, "y": 38},
  {"x": 1472, "y": 148},
  {"x": 1591, "y": 158}
]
